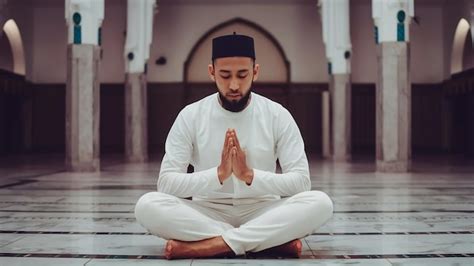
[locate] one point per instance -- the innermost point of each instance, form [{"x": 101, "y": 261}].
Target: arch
[
  {"x": 16, "y": 43},
  {"x": 462, "y": 29},
  {"x": 245, "y": 23}
]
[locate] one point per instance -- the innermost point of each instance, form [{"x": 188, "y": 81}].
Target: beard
[{"x": 235, "y": 105}]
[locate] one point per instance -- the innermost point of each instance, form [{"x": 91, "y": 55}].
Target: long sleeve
[
  {"x": 290, "y": 152},
  {"x": 173, "y": 178}
]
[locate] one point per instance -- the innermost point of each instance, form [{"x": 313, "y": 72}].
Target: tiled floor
[{"x": 52, "y": 217}]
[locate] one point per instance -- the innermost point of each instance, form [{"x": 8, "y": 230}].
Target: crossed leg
[{"x": 196, "y": 231}]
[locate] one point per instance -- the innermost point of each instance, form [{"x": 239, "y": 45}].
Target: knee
[
  {"x": 321, "y": 205},
  {"x": 148, "y": 207}
]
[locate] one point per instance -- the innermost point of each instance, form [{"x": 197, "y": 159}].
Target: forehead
[{"x": 233, "y": 63}]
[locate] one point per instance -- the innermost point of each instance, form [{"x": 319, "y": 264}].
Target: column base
[
  {"x": 93, "y": 166},
  {"x": 136, "y": 159},
  {"x": 393, "y": 166},
  {"x": 344, "y": 158}
]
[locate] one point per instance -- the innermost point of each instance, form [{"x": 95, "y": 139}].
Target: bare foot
[
  {"x": 290, "y": 249},
  {"x": 211, "y": 247}
]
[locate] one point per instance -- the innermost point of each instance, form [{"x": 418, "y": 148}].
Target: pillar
[
  {"x": 84, "y": 19},
  {"x": 136, "y": 148},
  {"x": 336, "y": 37},
  {"x": 137, "y": 51},
  {"x": 340, "y": 86},
  {"x": 326, "y": 125},
  {"x": 393, "y": 92},
  {"x": 393, "y": 108},
  {"x": 82, "y": 108}
]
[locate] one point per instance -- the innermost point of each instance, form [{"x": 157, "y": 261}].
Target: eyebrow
[{"x": 228, "y": 71}]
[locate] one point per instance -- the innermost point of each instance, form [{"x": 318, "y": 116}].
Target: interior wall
[
  {"x": 364, "y": 58},
  {"x": 49, "y": 50},
  {"x": 468, "y": 54},
  {"x": 6, "y": 57},
  {"x": 176, "y": 31},
  {"x": 296, "y": 27},
  {"x": 452, "y": 13},
  {"x": 426, "y": 45},
  {"x": 177, "y": 27}
]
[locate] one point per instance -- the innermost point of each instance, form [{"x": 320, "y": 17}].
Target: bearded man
[{"x": 234, "y": 202}]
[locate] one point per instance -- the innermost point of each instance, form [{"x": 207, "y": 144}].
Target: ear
[
  {"x": 256, "y": 71},
  {"x": 210, "y": 71}
]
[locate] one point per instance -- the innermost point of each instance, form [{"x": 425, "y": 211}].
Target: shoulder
[
  {"x": 190, "y": 111},
  {"x": 270, "y": 107}
]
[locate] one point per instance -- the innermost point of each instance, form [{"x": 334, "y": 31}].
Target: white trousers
[{"x": 245, "y": 227}]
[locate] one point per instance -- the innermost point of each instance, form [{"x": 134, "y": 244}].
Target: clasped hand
[{"x": 233, "y": 160}]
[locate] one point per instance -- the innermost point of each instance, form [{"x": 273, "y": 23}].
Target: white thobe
[{"x": 248, "y": 217}]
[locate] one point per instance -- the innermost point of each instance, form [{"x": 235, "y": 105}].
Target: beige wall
[
  {"x": 468, "y": 56},
  {"x": 6, "y": 57},
  {"x": 49, "y": 49},
  {"x": 426, "y": 48},
  {"x": 296, "y": 28},
  {"x": 364, "y": 60}
]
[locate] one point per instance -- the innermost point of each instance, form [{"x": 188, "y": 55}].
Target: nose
[{"x": 234, "y": 85}]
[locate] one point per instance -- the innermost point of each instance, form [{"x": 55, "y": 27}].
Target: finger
[
  {"x": 233, "y": 157},
  {"x": 236, "y": 141},
  {"x": 230, "y": 145},
  {"x": 226, "y": 140}
]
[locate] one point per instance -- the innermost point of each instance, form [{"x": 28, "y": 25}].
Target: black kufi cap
[{"x": 233, "y": 45}]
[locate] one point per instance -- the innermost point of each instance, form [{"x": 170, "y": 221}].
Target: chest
[{"x": 255, "y": 134}]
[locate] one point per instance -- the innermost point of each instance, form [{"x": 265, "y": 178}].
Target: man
[{"x": 233, "y": 139}]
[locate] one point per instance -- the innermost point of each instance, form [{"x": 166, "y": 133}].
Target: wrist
[
  {"x": 220, "y": 175},
  {"x": 249, "y": 177}
]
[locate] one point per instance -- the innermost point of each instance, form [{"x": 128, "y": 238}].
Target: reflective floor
[{"x": 52, "y": 217}]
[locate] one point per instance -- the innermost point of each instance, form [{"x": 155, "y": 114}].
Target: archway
[
  {"x": 13, "y": 34},
  {"x": 457, "y": 53},
  {"x": 274, "y": 76}
]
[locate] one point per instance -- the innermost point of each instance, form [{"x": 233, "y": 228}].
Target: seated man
[{"x": 233, "y": 139}]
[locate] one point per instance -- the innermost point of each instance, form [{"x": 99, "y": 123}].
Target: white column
[
  {"x": 340, "y": 87},
  {"x": 326, "y": 128},
  {"x": 84, "y": 18},
  {"x": 336, "y": 37},
  {"x": 137, "y": 51},
  {"x": 393, "y": 93}
]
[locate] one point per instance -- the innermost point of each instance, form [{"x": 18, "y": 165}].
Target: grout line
[
  {"x": 24, "y": 232},
  {"x": 87, "y": 262},
  {"x": 20, "y": 238},
  {"x": 306, "y": 241},
  {"x": 321, "y": 256}
]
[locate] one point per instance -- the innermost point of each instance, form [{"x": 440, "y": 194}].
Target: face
[{"x": 234, "y": 77}]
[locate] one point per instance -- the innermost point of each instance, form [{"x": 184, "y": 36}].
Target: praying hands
[{"x": 233, "y": 160}]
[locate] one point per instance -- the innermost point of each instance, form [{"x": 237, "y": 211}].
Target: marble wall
[{"x": 165, "y": 100}]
